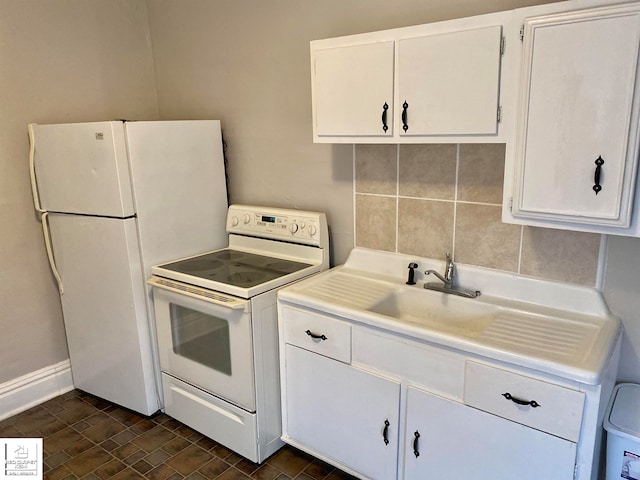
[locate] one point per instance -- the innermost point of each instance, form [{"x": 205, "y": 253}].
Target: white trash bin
[{"x": 622, "y": 423}]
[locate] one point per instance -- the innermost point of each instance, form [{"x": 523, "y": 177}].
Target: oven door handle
[{"x": 203, "y": 294}]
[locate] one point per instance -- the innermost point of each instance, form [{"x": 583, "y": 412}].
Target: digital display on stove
[{"x": 268, "y": 219}]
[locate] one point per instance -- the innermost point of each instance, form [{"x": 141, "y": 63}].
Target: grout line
[
  {"x": 387, "y": 195},
  {"x": 397, "y": 197},
  {"x": 602, "y": 262},
  {"x": 455, "y": 203},
  {"x": 354, "y": 198},
  {"x": 487, "y": 204},
  {"x": 463, "y": 202},
  {"x": 519, "y": 268}
]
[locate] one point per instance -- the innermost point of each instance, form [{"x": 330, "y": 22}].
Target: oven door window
[
  {"x": 207, "y": 345},
  {"x": 201, "y": 338}
]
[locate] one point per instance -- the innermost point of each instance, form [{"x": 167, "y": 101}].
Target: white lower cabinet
[
  {"x": 343, "y": 413},
  {"x": 357, "y": 397},
  {"x": 446, "y": 439}
]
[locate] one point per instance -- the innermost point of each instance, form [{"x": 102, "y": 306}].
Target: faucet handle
[{"x": 449, "y": 271}]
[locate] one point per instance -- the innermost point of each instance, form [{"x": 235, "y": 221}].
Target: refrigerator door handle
[
  {"x": 32, "y": 171},
  {"x": 47, "y": 244}
]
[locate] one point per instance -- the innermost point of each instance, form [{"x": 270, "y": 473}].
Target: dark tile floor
[{"x": 88, "y": 438}]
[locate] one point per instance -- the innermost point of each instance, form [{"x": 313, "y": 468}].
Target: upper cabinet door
[
  {"x": 448, "y": 84},
  {"x": 353, "y": 90},
  {"x": 576, "y": 149}
]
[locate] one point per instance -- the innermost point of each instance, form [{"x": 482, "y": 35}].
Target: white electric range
[{"x": 216, "y": 322}]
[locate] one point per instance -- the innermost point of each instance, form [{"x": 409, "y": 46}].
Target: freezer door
[
  {"x": 83, "y": 168},
  {"x": 104, "y": 309},
  {"x": 179, "y": 188}
]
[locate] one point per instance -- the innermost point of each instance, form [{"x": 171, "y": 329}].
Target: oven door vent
[{"x": 197, "y": 292}]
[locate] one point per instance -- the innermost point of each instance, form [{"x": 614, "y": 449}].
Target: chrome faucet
[
  {"x": 449, "y": 273},
  {"x": 448, "y": 281}
]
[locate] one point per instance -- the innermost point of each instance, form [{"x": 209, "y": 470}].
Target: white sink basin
[
  {"x": 438, "y": 311},
  {"x": 558, "y": 328}
]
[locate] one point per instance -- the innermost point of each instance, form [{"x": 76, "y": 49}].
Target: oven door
[{"x": 205, "y": 339}]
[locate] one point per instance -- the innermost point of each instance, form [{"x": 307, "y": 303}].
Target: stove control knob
[
  {"x": 234, "y": 221},
  {"x": 312, "y": 230},
  {"x": 302, "y": 224},
  {"x": 293, "y": 228},
  {"x": 246, "y": 218}
]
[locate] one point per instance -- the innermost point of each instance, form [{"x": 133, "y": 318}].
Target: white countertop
[{"x": 553, "y": 327}]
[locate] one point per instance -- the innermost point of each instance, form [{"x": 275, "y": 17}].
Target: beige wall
[
  {"x": 60, "y": 61},
  {"x": 622, "y": 293}
]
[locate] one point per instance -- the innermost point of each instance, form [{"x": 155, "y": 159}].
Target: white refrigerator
[{"x": 116, "y": 198}]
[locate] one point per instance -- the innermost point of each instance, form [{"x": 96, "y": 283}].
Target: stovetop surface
[{"x": 234, "y": 267}]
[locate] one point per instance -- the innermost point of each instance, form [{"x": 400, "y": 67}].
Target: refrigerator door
[
  {"x": 104, "y": 309},
  {"x": 83, "y": 168},
  {"x": 179, "y": 188}
]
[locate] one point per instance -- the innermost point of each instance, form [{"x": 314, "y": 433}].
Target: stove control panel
[{"x": 298, "y": 226}]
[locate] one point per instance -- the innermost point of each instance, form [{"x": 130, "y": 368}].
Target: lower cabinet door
[
  {"x": 343, "y": 413},
  {"x": 445, "y": 439}
]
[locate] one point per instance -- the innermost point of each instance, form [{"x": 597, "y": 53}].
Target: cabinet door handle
[
  {"x": 416, "y": 436},
  {"x": 519, "y": 401},
  {"x": 405, "y": 125},
  {"x": 385, "y": 108},
  {"x": 596, "y": 177},
  {"x": 385, "y": 432},
  {"x": 314, "y": 335}
]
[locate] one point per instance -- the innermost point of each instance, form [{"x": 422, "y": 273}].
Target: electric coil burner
[{"x": 216, "y": 322}]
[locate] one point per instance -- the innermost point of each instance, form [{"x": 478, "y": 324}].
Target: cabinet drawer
[
  {"x": 317, "y": 333},
  {"x": 438, "y": 370},
  {"x": 553, "y": 409},
  {"x": 211, "y": 416}
]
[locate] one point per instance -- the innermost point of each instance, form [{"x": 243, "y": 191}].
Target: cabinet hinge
[
  {"x": 522, "y": 33},
  {"x": 502, "y": 40},
  {"x": 511, "y": 204},
  {"x": 499, "y": 115}
]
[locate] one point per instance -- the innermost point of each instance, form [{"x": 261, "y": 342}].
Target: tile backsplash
[{"x": 426, "y": 200}]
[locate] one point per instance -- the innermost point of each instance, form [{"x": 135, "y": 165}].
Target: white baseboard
[{"x": 34, "y": 388}]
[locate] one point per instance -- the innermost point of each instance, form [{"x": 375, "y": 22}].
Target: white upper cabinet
[
  {"x": 576, "y": 147},
  {"x": 353, "y": 90},
  {"x": 449, "y": 83},
  {"x": 429, "y": 83}
]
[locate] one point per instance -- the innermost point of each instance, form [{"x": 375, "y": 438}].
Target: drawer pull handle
[
  {"x": 385, "y": 432},
  {"x": 405, "y": 124},
  {"x": 596, "y": 177},
  {"x": 313, "y": 335},
  {"x": 385, "y": 108},
  {"x": 416, "y": 436},
  {"x": 519, "y": 401}
]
